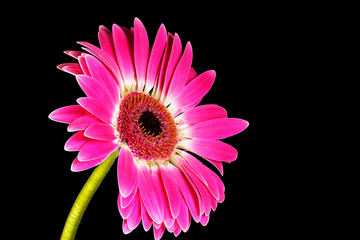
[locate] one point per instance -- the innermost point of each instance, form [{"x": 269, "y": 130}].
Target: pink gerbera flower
[{"x": 142, "y": 102}]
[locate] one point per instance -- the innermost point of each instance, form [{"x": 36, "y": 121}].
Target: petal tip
[
  {"x": 51, "y": 116},
  {"x": 60, "y": 66},
  {"x": 245, "y": 124},
  {"x": 137, "y": 20}
]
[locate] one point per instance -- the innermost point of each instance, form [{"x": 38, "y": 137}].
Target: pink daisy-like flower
[{"x": 143, "y": 102}]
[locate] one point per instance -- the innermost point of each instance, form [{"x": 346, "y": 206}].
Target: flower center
[
  {"x": 148, "y": 129},
  {"x": 150, "y": 123}
]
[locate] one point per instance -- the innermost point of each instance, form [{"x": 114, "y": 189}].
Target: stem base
[{"x": 84, "y": 197}]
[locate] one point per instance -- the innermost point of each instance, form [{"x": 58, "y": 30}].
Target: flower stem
[{"x": 84, "y": 197}]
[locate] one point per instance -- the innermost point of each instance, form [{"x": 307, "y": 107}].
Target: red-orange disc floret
[{"x": 146, "y": 127}]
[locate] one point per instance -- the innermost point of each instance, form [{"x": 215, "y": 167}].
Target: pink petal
[
  {"x": 95, "y": 89},
  {"x": 156, "y": 54},
  {"x": 124, "y": 55},
  {"x": 214, "y": 201},
  {"x": 150, "y": 195},
  {"x": 78, "y": 166},
  {"x": 102, "y": 74},
  {"x": 221, "y": 187},
  {"x": 205, "y": 196},
  {"x": 204, "y": 219},
  {"x": 125, "y": 211},
  {"x": 76, "y": 142},
  {"x": 159, "y": 85},
  {"x": 188, "y": 107},
  {"x": 172, "y": 191},
  {"x": 97, "y": 108},
  {"x": 127, "y": 172},
  {"x": 146, "y": 220},
  {"x": 207, "y": 176},
  {"x": 217, "y": 128},
  {"x": 74, "y": 54},
  {"x": 129, "y": 33},
  {"x": 184, "y": 218},
  {"x": 106, "y": 41},
  {"x": 104, "y": 57},
  {"x": 82, "y": 123},
  {"x": 174, "y": 226},
  {"x": 177, "y": 231},
  {"x": 135, "y": 216},
  {"x": 212, "y": 149},
  {"x": 158, "y": 232},
  {"x": 168, "y": 218},
  {"x": 101, "y": 131},
  {"x": 196, "y": 89},
  {"x": 125, "y": 201},
  {"x": 180, "y": 75},
  {"x": 171, "y": 64},
  {"x": 189, "y": 193},
  {"x": 195, "y": 166},
  {"x": 141, "y": 52},
  {"x": 68, "y": 114},
  {"x": 203, "y": 113},
  {"x": 217, "y": 164},
  {"x": 125, "y": 227},
  {"x": 95, "y": 149},
  {"x": 191, "y": 76},
  {"x": 83, "y": 65},
  {"x": 72, "y": 68}
]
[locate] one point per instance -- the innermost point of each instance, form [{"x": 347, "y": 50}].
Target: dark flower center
[
  {"x": 150, "y": 123},
  {"x": 146, "y": 127}
]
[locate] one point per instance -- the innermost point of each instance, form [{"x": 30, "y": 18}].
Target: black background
[{"x": 247, "y": 45}]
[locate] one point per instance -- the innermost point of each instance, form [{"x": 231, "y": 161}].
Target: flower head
[{"x": 143, "y": 101}]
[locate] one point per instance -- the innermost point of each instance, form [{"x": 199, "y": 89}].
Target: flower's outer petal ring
[
  {"x": 97, "y": 108},
  {"x": 124, "y": 54},
  {"x": 212, "y": 149},
  {"x": 78, "y": 166},
  {"x": 105, "y": 77},
  {"x": 141, "y": 52},
  {"x": 216, "y": 128},
  {"x": 170, "y": 61},
  {"x": 106, "y": 41},
  {"x": 95, "y": 89},
  {"x": 203, "y": 113},
  {"x": 127, "y": 172},
  {"x": 72, "y": 68},
  {"x": 189, "y": 193},
  {"x": 181, "y": 73},
  {"x": 100, "y": 131},
  {"x": 155, "y": 58},
  {"x": 83, "y": 122},
  {"x": 75, "y": 142},
  {"x": 172, "y": 191},
  {"x": 150, "y": 195},
  {"x": 67, "y": 114},
  {"x": 93, "y": 149},
  {"x": 196, "y": 89}
]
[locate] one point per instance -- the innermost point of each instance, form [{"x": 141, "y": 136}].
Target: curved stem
[{"x": 84, "y": 197}]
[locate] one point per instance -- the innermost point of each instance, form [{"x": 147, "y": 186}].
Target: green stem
[{"x": 84, "y": 197}]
